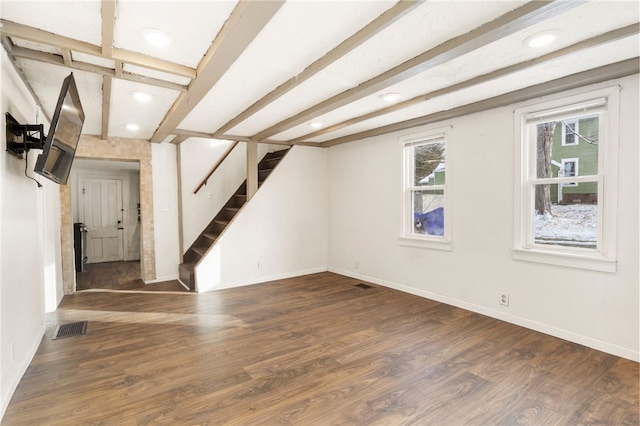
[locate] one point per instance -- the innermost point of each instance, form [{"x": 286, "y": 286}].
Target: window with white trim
[
  {"x": 425, "y": 209},
  {"x": 569, "y": 131},
  {"x": 566, "y": 206},
  {"x": 569, "y": 168}
]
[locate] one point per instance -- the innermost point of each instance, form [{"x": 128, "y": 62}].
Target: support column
[{"x": 252, "y": 169}]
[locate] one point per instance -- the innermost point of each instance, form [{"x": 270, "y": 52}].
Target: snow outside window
[
  {"x": 564, "y": 205},
  {"x": 425, "y": 209}
]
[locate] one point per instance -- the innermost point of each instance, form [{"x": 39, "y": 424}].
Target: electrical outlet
[
  {"x": 504, "y": 299},
  {"x": 259, "y": 266},
  {"x": 356, "y": 264}
]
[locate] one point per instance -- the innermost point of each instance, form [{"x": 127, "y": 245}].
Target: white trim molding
[{"x": 605, "y": 104}]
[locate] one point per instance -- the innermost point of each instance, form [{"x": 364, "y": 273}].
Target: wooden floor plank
[{"x": 311, "y": 350}]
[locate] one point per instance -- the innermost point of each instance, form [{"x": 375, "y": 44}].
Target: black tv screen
[{"x": 66, "y": 125}]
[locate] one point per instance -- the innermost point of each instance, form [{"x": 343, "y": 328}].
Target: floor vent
[
  {"x": 363, "y": 286},
  {"x": 72, "y": 329}
]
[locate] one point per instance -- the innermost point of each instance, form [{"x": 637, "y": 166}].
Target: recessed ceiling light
[
  {"x": 315, "y": 125},
  {"x": 156, "y": 37},
  {"x": 133, "y": 127},
  {"x": 141, "y": 96},
  {"x": 390, "y": 97},
  {"x": 541, "y": 39}
]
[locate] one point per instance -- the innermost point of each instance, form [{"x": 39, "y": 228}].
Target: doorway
[{"x": 105, "y": 201}]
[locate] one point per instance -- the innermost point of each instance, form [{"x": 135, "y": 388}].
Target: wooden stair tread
[
  {"x": 211, "y": 235},
  {"x": 200, "y": 250}
]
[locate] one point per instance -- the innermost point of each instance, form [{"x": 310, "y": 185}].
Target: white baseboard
[
  {"x": 15, "y": 379},
  {"x": 503, "y": 316},
  {"x": 163, "y": 278},
  {"x": 266, "y": 278}
]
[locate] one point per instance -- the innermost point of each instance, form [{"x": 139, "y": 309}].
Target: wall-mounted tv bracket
[{"x": 23, "y": 137}]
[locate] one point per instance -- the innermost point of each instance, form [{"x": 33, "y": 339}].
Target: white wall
[
  {"x": 592, "y": 308},
  {"x": 52, "y": 250},
  {"x": 282, "y": 232},
  {"x": 198, "y": 157},
  {"x": 165, "y": 211},
  {"x": 29, "y": 244}
]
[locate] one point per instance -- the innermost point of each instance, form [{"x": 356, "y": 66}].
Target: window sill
[
  {"x": 570, "y": 260},
  {"x": 425, "y": 243}
]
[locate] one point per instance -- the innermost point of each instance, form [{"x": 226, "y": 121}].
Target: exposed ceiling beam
[
  {"x": 139, "y": 59},
  {"x": 50, "y": 58},
  {"x": 585, "y": 78},
  {"x": 605, "y": 38},
  {"x": 390, "y": 16},
  {"x": 37, "y": 35},
  {"x": 118, "y": 70},
  {"x": 25, "y": 32},
  {"x": 507, "y": 24},
  {"x": 108, "y": 20},
  {"x": 178, "y": 140},
  {"x": 106, "y": 106},
  {"x": 202, "y": 135},
  {"x": 66, "y": 57},
  {"x": 9, "y": 47},
  {"x": 245, "y": 23}
]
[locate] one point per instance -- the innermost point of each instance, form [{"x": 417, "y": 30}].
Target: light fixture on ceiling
[
  {"x": 132, "y": 127},
  {"x": 390, "y": 97},
  {"x": 156, "y": 37},
  {"x": 141, "y": 96},
  {"x": 315, "y": 125},
  {"x": 541, "y": 39}
]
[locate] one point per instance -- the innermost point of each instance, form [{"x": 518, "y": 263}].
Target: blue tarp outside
[{"x": 431, "y": 222}]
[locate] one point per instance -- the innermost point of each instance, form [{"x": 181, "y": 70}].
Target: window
[
  {"x": 569, "y": 167},
  {"x": 565, "y": 208},
  {"x": 425, "y": 210},
  {"x": 569, "y": 131}
]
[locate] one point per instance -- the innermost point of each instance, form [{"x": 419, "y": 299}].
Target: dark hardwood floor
[
  {"x": 313, "y": 350},
  {"x": 124, "y": 276}
]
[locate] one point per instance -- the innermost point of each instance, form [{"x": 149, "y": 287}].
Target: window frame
[
  {"x": 603, "y": 258},
  {"x": 407, "y": 237},
  {"x": 576, "y": 129},
  {"x": 574, "y": 160}
]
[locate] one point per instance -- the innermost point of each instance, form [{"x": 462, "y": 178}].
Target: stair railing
[{"x": 215, "y": 167}]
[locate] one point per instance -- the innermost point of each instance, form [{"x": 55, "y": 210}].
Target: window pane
[
  {"x": 428, "y": 164},
  {"x": 428, "y": 212},
  {"x": 572, "y": 218},
  {"x": 569, "y": 132},
  {"x": 576, "y": 139},
  {"x": 568, "y": 168}
]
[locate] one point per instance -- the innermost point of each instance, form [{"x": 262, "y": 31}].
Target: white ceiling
[{"x": 334, "y": 57}]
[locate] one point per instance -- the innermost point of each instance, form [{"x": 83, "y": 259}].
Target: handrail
[{"x": 224, "y": 156}]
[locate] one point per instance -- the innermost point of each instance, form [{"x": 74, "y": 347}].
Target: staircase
[{"x": 224, "y": 217}]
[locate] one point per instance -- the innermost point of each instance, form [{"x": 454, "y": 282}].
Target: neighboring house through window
[{"x": 565, "y": 148}]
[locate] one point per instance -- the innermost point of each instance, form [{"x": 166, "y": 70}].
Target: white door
[{"x": 102, "y": 205}]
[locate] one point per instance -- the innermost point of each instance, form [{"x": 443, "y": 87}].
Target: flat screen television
[{"x": 66, "y": 125}]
